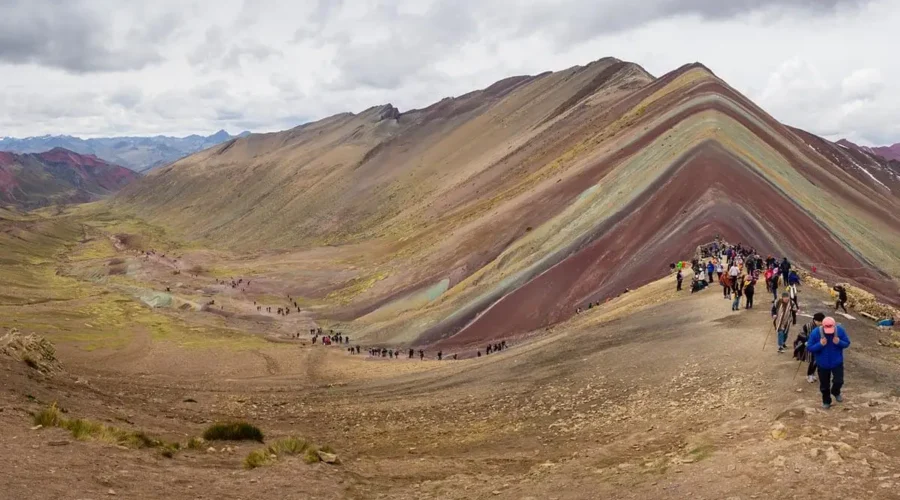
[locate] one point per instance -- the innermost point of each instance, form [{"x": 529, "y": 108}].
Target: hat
[
  {"x": 819, "y": 317},
  {"x": 828, "y": 325},
  {"x": 785, "y": 294}
]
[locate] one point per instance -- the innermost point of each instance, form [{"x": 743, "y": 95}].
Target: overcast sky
[{"x": 105, "y": 67}]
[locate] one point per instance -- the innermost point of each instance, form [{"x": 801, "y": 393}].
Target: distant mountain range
[
  {"x": 886, "y": 152},
  {"x": 140, "y": 154},
  {"x": 58, "y": 176}
]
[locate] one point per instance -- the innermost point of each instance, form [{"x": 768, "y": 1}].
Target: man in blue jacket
[{"x": 827, "y": 343}]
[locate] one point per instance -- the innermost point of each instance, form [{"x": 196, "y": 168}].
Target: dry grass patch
[
  {"x": 290, "y": 446},
  {"x": 89, "y": 430}
]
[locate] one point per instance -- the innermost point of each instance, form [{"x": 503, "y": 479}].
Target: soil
[{"x": 653, "y": 395}]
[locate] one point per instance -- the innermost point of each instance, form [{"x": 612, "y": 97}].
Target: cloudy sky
[{"x": 105, "y": 67}]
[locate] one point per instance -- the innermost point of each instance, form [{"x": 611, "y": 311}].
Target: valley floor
[{"x": 656, "y": 394}]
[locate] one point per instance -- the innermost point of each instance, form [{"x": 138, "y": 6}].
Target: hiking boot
[
  {"x": 780, "y": 350},
  {"x": 826, "y": 406},
  {"x": 839, "y": 399},
  {"x": 811, "y": 379}
]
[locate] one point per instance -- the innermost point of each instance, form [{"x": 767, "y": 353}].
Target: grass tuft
[
  {"x": 49, "y": 417},
  {"x": 196, "y": 443},
  {"x": 312, "y": 455},
  {"x": 283, "y": 447},
  {"x": 88, "y": 430},
  {"x": 233, "y": 431}
]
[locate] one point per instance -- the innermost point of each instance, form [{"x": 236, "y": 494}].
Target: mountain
[
  {"x": 140, "y": 154},
  {"x": 35, "y": 180},
  {"x": 890, "y": 153},
  {"x": 499, "y": 212}
]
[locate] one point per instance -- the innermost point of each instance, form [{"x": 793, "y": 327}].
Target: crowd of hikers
[{"x": 820, "y": 342}]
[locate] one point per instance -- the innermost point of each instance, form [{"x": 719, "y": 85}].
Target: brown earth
[{"x": 654, "y": 395}]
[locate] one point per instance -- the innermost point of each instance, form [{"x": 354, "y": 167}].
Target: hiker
[
  {"x": 801, "y": 353},
  {"x": 357, "y": 349},
  {"x": 710, "y": 269},
  {"x": 785, "y": 270},
  {"x": 678, "y": 278},
  {"x": 738, "y": 291},
  {"x": 478, "y": 353},
  {"x": 781, "y": 319},
  {"x": 749, "y": 290},
  {"x": 503, "y": 344},
  {"x": 775, "y": 278},
  {"x": 440, "y": 355},
  {"x": 793, "y": 278},
  {"x": 719, "y": 269},
  {"x": 795, "y": 298},
  {"x": 455, "y": 357},
  {"x": 488, "y": 350},
  {"x": 841, "y": 298},
  {"x": 421, "y": 354},
  {"x": 725, "y": 280},
  {"x": 827, "y": 343}
]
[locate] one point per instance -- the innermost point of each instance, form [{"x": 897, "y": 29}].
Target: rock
[
  {"x": 779, "y": 431},
  {"x": 328, "y": 458},
  {"x": 210, "y": 450},
  {"x": 111, "y": 492},
  {"x": 57, "y": 443},
  {"x": 36, "y": 427},
  {"x": 815, "y": 452},
  {"x": 879, "y": 416},
  {"x": 833, "y": 456}
]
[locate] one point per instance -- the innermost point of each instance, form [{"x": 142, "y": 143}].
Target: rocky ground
[{"x": 654, "y": 395}]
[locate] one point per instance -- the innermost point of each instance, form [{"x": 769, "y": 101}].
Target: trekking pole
[
  {"x": 798, "y": 370},
  {"x": 766, "y": 341}
]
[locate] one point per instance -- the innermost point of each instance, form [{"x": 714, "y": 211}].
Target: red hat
[{"x": 828, "y": 325}]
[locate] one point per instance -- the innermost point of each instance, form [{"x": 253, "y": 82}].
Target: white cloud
[{"x": 101, "y": 67}]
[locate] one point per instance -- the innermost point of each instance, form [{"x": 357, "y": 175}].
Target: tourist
[
  {"x": 827, "y": 343},
  {"x": 841, "y": 298},
  {"x": 801, "y": 353},
  {"x": 749, "y": 290},
  {"x": 678, "y": 279},
  {"x": 781, "y": 315}
]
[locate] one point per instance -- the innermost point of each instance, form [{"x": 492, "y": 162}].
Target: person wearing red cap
[{"x": 827, "y": 343}]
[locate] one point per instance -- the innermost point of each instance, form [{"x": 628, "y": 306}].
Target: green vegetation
[
  {"x": 233, "y": 431},
  {"x": 290, "y": 446},
  {"x": 89, "y": 430}
]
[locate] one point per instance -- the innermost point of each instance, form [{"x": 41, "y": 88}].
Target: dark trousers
[
  {"x": 840, "y": 303},
  {"x": 749, "y": 300},
  {"x": 812, "y": 366},
  {"x": 678, "y": 287},
  {"x": 825, "y": 382}
]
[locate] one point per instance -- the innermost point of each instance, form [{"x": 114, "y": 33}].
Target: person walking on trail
[
  {"x": 785, "y": 270},
  {"x": 678, "y": 278},
  {"x": 710, "y": 269},
  {"x": 749, "y": 290},
  {"x": 827, "y": 343},
  {"x": 725, "y": 280},
  {"x": 782, "y": 319},
  {"x": 774, "y": 285},
  {"x": 841, "y": 298},
  {"x": 719, "y": 269},
  {"x": 801, "y": 353},
  {"x": 738, "y": 291}
]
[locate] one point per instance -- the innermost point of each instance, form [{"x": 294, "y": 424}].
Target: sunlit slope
[{"x": 500, "y": 212}]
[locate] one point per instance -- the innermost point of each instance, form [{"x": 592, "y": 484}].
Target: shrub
[
  {"x": 233, "y": 431},
  {"x": 84, "y": 429}
]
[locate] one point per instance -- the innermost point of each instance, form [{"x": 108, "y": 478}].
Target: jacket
[{"x": 830, "y": 355}]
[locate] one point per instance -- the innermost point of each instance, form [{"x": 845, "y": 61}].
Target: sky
[{"x": 95, "y": 68}]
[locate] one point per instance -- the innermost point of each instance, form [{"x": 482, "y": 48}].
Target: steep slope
[
  {"x": 499, "y": 212},
  {"x": 58, "y": 176},
  {"x": 140, "y": 154}
]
